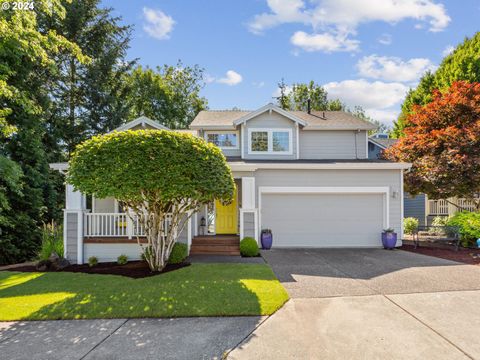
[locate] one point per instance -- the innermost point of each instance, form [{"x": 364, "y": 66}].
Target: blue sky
[{"x": 365, "y": 52}]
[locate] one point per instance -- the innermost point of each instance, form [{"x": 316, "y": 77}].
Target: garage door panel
[{"x": 323, "y": 220}]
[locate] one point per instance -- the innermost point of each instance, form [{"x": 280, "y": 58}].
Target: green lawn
[{"x": 197, "y": 290}]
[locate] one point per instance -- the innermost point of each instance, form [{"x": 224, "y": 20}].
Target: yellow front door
[{"x": 226, "y": 217}]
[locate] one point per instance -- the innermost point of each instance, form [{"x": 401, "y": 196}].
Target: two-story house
[{"x": 304, "y": 175}]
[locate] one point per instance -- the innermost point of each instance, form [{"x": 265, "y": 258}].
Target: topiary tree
[{"x": 155, "y": 173}]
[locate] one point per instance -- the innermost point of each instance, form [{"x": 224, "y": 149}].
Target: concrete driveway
[
  {"x": 345, "y": 304},
  {"x": 369, "y": 304}
]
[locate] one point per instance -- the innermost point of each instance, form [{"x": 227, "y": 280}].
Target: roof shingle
[{"x": 316, "y": 120}]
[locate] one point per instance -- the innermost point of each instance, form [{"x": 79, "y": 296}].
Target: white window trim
[
  {"x": 225, "y": 132},
  {"x": 270, "y": 132}
]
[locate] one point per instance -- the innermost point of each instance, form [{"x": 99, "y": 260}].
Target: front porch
[{"x": 104, "y": 229}]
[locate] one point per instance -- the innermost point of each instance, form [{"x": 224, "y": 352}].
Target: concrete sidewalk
[
  {"x": 413, "y": 326},
  {"x": 182, "y": 338}
]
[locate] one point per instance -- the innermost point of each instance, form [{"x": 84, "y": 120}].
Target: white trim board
[
  {"x": 252, "y": 166},
  {"x": 385, "y": 190},
  {"x": 269, "y": 107}
]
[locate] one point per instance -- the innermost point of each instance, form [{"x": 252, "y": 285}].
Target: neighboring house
[
  {"x": 305, "y": 176},
  {"x": 417, "y": 206}
]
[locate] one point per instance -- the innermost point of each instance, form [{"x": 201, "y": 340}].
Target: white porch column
[
  {"x": 75, "y": 204},
  {"x": 248, "y": 205}
]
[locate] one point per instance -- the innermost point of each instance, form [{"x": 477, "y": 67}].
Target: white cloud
[
  {"x": 385, "y": 39},
  {"x": 259, "y": 84},
  {"x": 283, "y": 11},
  {"x": 276, "y": 93},
  {"x": 323, "y": 42},
  {"x": 393, "y": 68},
  {"x": 385, "y": 116},
  {"x": 448, "y": 50},
  {"x": 369, "y": 95},
  {"x": 379, "y": 99},
  {"x": 231, "y": 78},
  {"x": 157, "y": 24},
  {"x": 341, "y": 18},
  {"x": 208, "y": 78}
]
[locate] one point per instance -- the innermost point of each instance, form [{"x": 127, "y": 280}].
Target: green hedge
[
  {"x": 249, "y": 247},
  {"x": 468, "y": 224},
  {"x": 178, "y": 254}
]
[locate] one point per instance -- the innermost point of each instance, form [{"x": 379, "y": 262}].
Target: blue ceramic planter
[
  {"x": 389, "y": 240},
  {"x": 266, "y": 239}
]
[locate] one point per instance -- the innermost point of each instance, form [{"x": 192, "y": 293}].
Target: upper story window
[
  {"x": 270, "y": 141},
  {"x": 224, "y": 139}
]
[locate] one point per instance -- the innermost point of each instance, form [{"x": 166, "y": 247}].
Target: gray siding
[
  {"x": 357, "y": 178},
  {"x": 342, "y": 144},
  {"x": 106, "y": 205},
  {"x": 72, "y": 237},
  {"x": 270, "y": 121},
  {"x": 374, "y": 151},
  {"x": 414, "y": 206},
  {"x": 110, "y": 252},
  {"x": 249, "y": 225}
]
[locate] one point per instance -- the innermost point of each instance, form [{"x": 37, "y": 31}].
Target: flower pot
[
  {"x": 266, "y": 239},
  {"x": 389, "y": 240}
]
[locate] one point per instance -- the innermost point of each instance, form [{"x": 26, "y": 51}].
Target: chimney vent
[
  {"x": 324, "y": 115},
  {"x": 309, "y": 106}
]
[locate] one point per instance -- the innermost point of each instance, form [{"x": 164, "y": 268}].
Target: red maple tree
[{"x": 442, "y": 142}]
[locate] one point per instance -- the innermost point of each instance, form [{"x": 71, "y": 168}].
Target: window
[
  {"x": 224, "y": 140},
  {"x": 259, "y": 141},
  {"x": 270, "y": 141}
]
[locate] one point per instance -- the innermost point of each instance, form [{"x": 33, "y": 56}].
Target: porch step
[{"x": 216, "y": 245}]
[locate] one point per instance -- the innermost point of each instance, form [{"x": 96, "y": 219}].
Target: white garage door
[{"x": 323, "y": 220}]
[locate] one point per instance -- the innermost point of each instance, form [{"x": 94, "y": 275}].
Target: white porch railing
[
  {"x": 443, "y": 207},
  {"x": 114, "y": 225}
]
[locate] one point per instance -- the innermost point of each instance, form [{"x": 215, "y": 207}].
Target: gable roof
[
  {"x": 316, "y": 120},
  {"x": 382, "y": 143},
  {"x": 269, "y": 107},
  {"x": 142, "y": 121}
]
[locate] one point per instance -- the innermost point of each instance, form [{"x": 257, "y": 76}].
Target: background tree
[
  {"x": 169, "y": 95},
  {"x": 462, "y": 64},
  {"x": 443, "y": 141},
  {"x": 87, "y": 98},
  {"x": 27, "y": 67},
  {"x": 165, "y": 173},
  {"x": 296, "y": 97}
]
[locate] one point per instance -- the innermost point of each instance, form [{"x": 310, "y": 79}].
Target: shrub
[
  {"x": 468, "y": 224},
  {"x": 52, "y": 241},
  {"x": 122, "y": 259},
  {"x": 92, "y": 261},
  {"x": 410, "y": 224},
  {"x": 440, "y": 221},
  {"x": 249, "y": 247},
  {"x": 178, "y": 254}
]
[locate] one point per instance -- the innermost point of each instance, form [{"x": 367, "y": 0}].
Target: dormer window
[
  {"x": 270, "y": 141},
  {"x": 223, "y": 139}
]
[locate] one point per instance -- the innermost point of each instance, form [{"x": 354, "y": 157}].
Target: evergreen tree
[
  {"x": 88, "y": 98},
  {"x": 462, "y": 64}
]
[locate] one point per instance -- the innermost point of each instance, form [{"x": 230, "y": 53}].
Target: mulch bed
[
  {"x": 133, "y": 269},
  {"x": 467, "y": 256}
]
